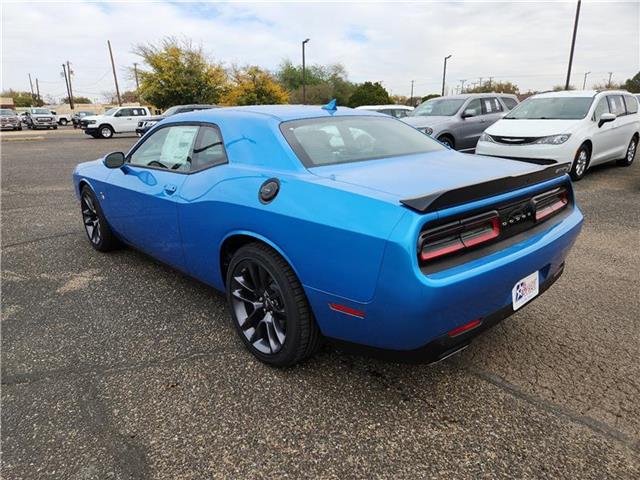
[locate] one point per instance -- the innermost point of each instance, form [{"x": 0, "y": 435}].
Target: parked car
[
  {"x": 62, "y": 118},
  {"x": 333, "y": 222},
  {"x": 398, "y": 111},
  {"x": 145, "y": 125},
  {"x": 585, "y": 128},
  {"x": 459, "y": 120},
  {"x": 78, "y": 116},
  {"x": 9, "y": 120},
  {"x": 115, "y": 120},
  {"x": 40, "y": 118}
]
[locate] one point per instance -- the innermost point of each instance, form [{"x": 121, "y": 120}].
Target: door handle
[{"x": 170, "y": 188}]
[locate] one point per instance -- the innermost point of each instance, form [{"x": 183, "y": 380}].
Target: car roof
[
  {"x": 373, "y": 107},
  {"x": 464, "y": 96},
  {"x": 578, "y": 93},
  {"x": 280, "y": 113}
]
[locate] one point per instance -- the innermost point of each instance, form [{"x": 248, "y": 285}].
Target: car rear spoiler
[{"x": 451, "y": 198}]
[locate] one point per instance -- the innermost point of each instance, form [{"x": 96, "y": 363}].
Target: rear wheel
[
  {"x": 447, "y": 140},
  {"x": 63, "y": 121},
  {"x": 105, "y": 131},
  {"x": 95, "y": 224},
  {"x": 268, "y": 306},
  {"x": 580, "y": 163},
  {"x": 631, "y": 153}
]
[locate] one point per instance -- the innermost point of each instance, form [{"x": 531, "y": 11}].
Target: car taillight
[
  {"x": 456, "y": 236},
  {"x": 550, "y": 203}
]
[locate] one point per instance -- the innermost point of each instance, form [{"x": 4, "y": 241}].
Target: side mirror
[
  {"x": 606, "y": 118},
  {"x": 114, "y": 160},
  {"x": 469, "y": 113}
]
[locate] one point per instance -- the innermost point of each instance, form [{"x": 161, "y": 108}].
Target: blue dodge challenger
[{"x": 332, "y": 222}]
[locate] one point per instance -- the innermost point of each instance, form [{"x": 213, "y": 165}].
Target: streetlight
[
  {"x": 304, "y": 86},
  {"x": 444, "y": 73},
  {"x": 573, "y": 44},
  {"x": 584, "y": 83}
]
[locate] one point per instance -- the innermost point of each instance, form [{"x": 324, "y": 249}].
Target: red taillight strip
[
  {"x": 465, "y": 328},
  {"x": 348, "y": 310},
  {"x": 554, "y": 207},
  {"x": 454, "y": 247},
  {"x": 484, "y": 237}
]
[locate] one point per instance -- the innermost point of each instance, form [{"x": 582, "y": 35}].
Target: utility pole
[
  {"x": 411, "y": 99},
  {"x": 38, "y": 92},
  {"x": 115, "y": 78},
  {"x": 490, "y": 82},
  {"x": 66, "y": 81},
  {"x": 584, "y": 82},
  {"x": 135, "y": 69},
  {"x": 33, "y": 96},
  {"x": 69, "y": 73},
  {"x": 444, "y": 72},
  {"x": 609, "y": 82},
  {"x": 573, "y": 44},
  {"x": 304, "y": 81},
  {"x": 462, "y": 86}
]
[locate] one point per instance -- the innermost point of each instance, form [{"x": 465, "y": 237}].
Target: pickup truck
[
  {"x": 40, "y": 118},
  {"x": 115, "y": 120},
  {"x": 62, "y": 118}
]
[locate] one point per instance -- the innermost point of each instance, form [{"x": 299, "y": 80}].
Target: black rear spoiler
[{"x": 468, "y": 193}]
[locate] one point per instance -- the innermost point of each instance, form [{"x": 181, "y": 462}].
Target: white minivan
[{"x": 583, "y": 127}]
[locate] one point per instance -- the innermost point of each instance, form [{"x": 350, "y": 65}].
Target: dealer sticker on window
[{"x": 524, "y": 290}]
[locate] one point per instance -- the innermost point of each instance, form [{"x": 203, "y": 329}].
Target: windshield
[
  {"x": 6, "y": 112},
  {"x": 552, "y": 108},
  {"x": 170, "y": 111},
  {"x": 40, "y": 111},
  {"x": 438, "y": 107},
  {"x": 327, "y": 141},
  {"x": 111, "y": 111}
]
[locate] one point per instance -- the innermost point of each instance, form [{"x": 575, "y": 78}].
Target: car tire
[
  {"x": 63, "y": 122},
  {"x": 95, "y": 224},
  {"x": 447, "y": 140},
  {"x": 55, "y": 127},
  {"x": 269, "y": 308},
  {"x": 580, "y": 162},
  {"x": 105, "y": 131},
  {"x": 631, "y": 153}
]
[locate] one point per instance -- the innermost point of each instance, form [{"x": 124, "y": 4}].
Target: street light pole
[
  {"x": 444, "y": 72},
  {"x": 304, "y": 83},
  {"x": 411, "y": 100},
  {"x": 584, "y": 83},
  {"x": 573, "y": 44}
]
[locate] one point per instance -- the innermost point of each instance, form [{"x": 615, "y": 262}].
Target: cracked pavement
[{"x": 115, "y": 366}]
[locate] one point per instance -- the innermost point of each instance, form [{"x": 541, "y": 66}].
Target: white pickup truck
[
  {"x": 115, "y": 120},
  {"x": 62, "y": 118}
]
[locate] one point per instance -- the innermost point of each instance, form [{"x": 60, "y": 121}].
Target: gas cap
[{"x": 269, "y": 190}]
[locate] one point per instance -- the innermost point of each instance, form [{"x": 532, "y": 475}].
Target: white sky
[{"x": 526, "y": 42}]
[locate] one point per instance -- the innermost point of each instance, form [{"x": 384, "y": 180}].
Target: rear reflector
[
  {"x": 347, "y": 310},
  {"x": 465, "y": 328}
]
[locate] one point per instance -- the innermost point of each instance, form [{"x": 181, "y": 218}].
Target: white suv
[
  {"x": 583, "y": 127},
  {"x": 114, "y": 120}
]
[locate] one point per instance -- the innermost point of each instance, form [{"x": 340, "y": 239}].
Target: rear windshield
[
  {"x": 328, "y": 141},
  {"x": 552, "y": 108}
]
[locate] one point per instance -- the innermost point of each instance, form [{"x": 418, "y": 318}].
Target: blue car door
[{"x": 143, "y": 196}]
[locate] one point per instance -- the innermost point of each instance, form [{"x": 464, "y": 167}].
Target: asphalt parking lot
[{"x": 115, "y": 366}]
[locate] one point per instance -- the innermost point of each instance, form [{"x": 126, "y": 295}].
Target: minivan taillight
[{"x": 460, "y": 235}]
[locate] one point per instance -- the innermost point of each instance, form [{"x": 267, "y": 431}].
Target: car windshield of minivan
[
  {"x": 438, "y": 107},
  {"x": 327, "y": 141},
  {"x": 552, "y": 108}
]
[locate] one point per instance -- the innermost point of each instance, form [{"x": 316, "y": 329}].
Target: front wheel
[
  {"x": 63, "y": 121},
  {"x": 106, "y": 131},
  {"x": 631, "y": 153},
  {"x": 446, "y": 140},
  {"x": 95, "y": 224},
  {"x": 268, "y": 306},
  {"x": 580, "y": 163}
]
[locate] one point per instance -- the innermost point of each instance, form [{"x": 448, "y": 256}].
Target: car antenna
[{"x": 331, "y": 106}]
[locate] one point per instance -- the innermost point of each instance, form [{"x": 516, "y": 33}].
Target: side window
[
  {"x": 475, "y": 106},
  {"x": 137, "y": 112},
  {"x": 124, "y": 112},
  {"x": 509, "y": 102},
  {"x": 602, "y": 107},
  {"x": 491, "y": 105},
  {"x": 209, "y": 149},
  {"x": 616, "y": 105},
  {"x": 400, "y": 113},
  {"x": 169, "y": 147},
  {"x": 631, "y": 103}
]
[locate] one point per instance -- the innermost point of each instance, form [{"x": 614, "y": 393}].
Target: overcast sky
[{"x": 526, "y": 42}]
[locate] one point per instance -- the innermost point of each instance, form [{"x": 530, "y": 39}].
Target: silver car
[{"x": 459, "y": 120}]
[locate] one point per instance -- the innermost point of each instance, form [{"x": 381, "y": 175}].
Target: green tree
[
  {"x": 633, "y": 84},
  {"x": 369, "y": 93},
  {"x": 77, "y": 100},
  {"x": 22, "y": 99},
  {"x": 499, "y": 87},
  {"x": 323, "y": 83},
  {"x": 430, "y": 96},
  {"x": 251, "y": 85},
  {"x": 179, "y": 73},
  {"x": 560, "y": 88}
]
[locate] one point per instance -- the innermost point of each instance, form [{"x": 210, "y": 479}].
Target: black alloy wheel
[{"x": 95, "y": 224}]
